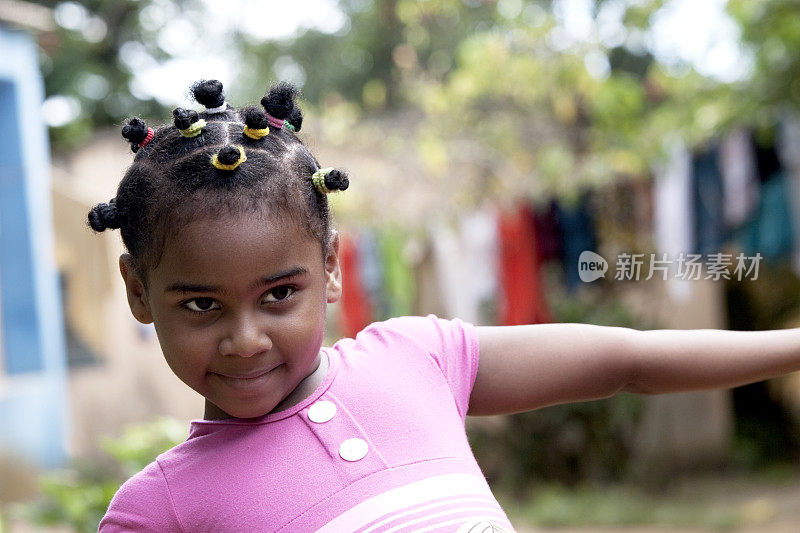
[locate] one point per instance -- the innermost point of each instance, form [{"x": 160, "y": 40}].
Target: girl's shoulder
[
  {"x": 433, "y": 346},
  {"x": 451, "y": 343},
  {"x": 419, "y": 328},
  {"x": 413, "y": 334},
  {"x": 142, "y": 503}
]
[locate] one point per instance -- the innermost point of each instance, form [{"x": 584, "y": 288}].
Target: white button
[
  {"x": 321, "y": 411},
  {"x": 353, "y": 449}
]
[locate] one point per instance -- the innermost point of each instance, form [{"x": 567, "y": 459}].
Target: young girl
[{"x": 231, "y": 255}]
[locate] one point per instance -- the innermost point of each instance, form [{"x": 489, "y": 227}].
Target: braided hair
[{"x": 220, "y": 161}]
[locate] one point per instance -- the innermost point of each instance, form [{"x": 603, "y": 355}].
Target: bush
[
  {"x": 569, "y": 443},
  {"x": 78, "y": 496}
]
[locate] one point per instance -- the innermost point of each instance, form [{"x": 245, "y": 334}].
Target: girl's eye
[
  {"x": 201, "y": 305},
  {"x": 279, "y": 294}
]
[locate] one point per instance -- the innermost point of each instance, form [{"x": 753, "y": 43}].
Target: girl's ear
[
  {"x": 137, "y": 297},
  {"x": 332, "y": 272}
]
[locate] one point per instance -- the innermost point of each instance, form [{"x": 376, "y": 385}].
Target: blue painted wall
[{"x": 33, "y": 399}]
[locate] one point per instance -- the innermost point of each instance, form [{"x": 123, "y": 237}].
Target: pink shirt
[{"x": 379, "y": 446}]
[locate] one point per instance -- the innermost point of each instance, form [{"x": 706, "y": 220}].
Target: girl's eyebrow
[
  {"x": 190, "y": 287},
  {"x": 266, "y": 280},
  {"x": 292, "y": 272}
]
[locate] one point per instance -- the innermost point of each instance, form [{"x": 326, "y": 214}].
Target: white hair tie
[{"x": 215, "y": 110}]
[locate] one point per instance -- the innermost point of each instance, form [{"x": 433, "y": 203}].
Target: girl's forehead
[
  {"x": 198, "y": 221},
  {"x": 252, "y": 228},
  {"x": 261, "y": 221},
  {"x": 233, "y": 248}
]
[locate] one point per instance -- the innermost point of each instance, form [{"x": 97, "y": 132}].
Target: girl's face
[{"x": 238, "y": 304}]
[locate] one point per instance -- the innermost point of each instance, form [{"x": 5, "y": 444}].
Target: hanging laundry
[
  {"x": 520, "y": 273},
  {"x": 618, "y": 231},
  {"x": 788, "y": 141},
  {"x": 789, "y": 152},
  {"x": 770, "y": 232},
  {"x": 465, "y": 258},
  {"x": 450, "y": 271},
  {"x": 355, "y": 307},
  {"x": 673, "y": 212},
  {"x": 709, "y": 226},
  {"x": 548, "y": 232},
  {"x": 371, "y": 269},
  {"x": 577, "y": 229},
  {"x": 767, "y": 162},
  {"x": 737, "y": 164},
  {"x": 643, "y": 212},
  {"x": 398, "y": 279},
  {"x": 479, "y": 245},
  {"x": 428, "y": 297}
]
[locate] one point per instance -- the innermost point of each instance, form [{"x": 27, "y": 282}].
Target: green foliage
[
  {"x": 72, "y": 500},
  {"x": 374, "y": 60},
  {"x": 93, "y": 54},
  {"x": 140, "y": 444},
  {"x": 79, "y": 496},
  {"x": 771, "y": 30},
  {"x": 552, "y": 506},
  {"x": 564, "y": 443},
  {"x": 494, "y": 72}
]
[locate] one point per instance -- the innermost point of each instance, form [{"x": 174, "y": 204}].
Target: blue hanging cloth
[
  {"x": 578, "y": 232},
  {"x": 707, "y": 190}
]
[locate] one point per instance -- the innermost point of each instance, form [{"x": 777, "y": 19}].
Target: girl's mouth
[{"x": 246, "y": 382}]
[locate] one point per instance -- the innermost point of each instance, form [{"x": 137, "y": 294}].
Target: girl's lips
[{"x": 246, "y": 382}]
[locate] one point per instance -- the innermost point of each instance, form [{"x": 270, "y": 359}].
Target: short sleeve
[
  {"x": 143, "y": 503},
  {"x": 453, "y": 344}
]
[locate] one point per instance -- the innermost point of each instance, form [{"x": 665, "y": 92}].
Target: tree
[{"x": 91, "y": 59}]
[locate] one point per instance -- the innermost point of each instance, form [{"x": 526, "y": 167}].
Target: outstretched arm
[{"x": 525, "y": 367}]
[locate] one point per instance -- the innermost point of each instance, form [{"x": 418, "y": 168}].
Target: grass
[{"x": 552, "y": 506}]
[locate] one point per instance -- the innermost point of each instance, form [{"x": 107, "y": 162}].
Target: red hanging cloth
[
  {"x": 520, "y": 271},
  {"x": 354, "y": 305}
]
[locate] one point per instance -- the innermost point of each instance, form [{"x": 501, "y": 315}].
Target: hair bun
[
  {"x": 228, "y": 155},
  {"x": 255, "y": 118},
  {"x": 279, "y": 101},
  {"x": 208, "y": 93},
  {"x": 296, "y": 118},
  {"x": 135, "y": 131},
  {"x": 336, "y": 180},
  {"x": 184, "y": 118},
  {"x": 104, "y": 216}
]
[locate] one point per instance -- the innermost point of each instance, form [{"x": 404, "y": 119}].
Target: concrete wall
[{"x": 33, "y": 399}]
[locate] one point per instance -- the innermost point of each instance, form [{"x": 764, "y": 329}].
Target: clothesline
[{"x": 486, "y": 266}]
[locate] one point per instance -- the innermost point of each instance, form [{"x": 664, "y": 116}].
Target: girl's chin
[{"x": 213, "y": 412}]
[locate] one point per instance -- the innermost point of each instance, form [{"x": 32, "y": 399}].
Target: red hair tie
[
  {"x": 148, "y": 138},
  {"x": 274, "y": 122}
]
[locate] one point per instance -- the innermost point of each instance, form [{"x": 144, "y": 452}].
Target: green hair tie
[
  {"x": 286, "y": 123},
  {"x": 318, "y": 179},
  {"x": 194, "y": 130}
]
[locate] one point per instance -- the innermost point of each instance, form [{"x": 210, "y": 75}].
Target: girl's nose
[{"x": 246, "y": 338}]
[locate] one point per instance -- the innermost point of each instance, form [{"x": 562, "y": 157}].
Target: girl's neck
[{"x": 303, "y": 390}]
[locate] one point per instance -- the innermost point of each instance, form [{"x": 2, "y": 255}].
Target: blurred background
[{"x": 489, "y": 143}]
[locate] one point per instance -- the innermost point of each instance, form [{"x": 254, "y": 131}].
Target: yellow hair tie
[
  {"x": 255, "y": 133},
  {"x": 318, "y": 179},
  {"x": 232, "y": 166},
  {"x": 195, "y": 129}
]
